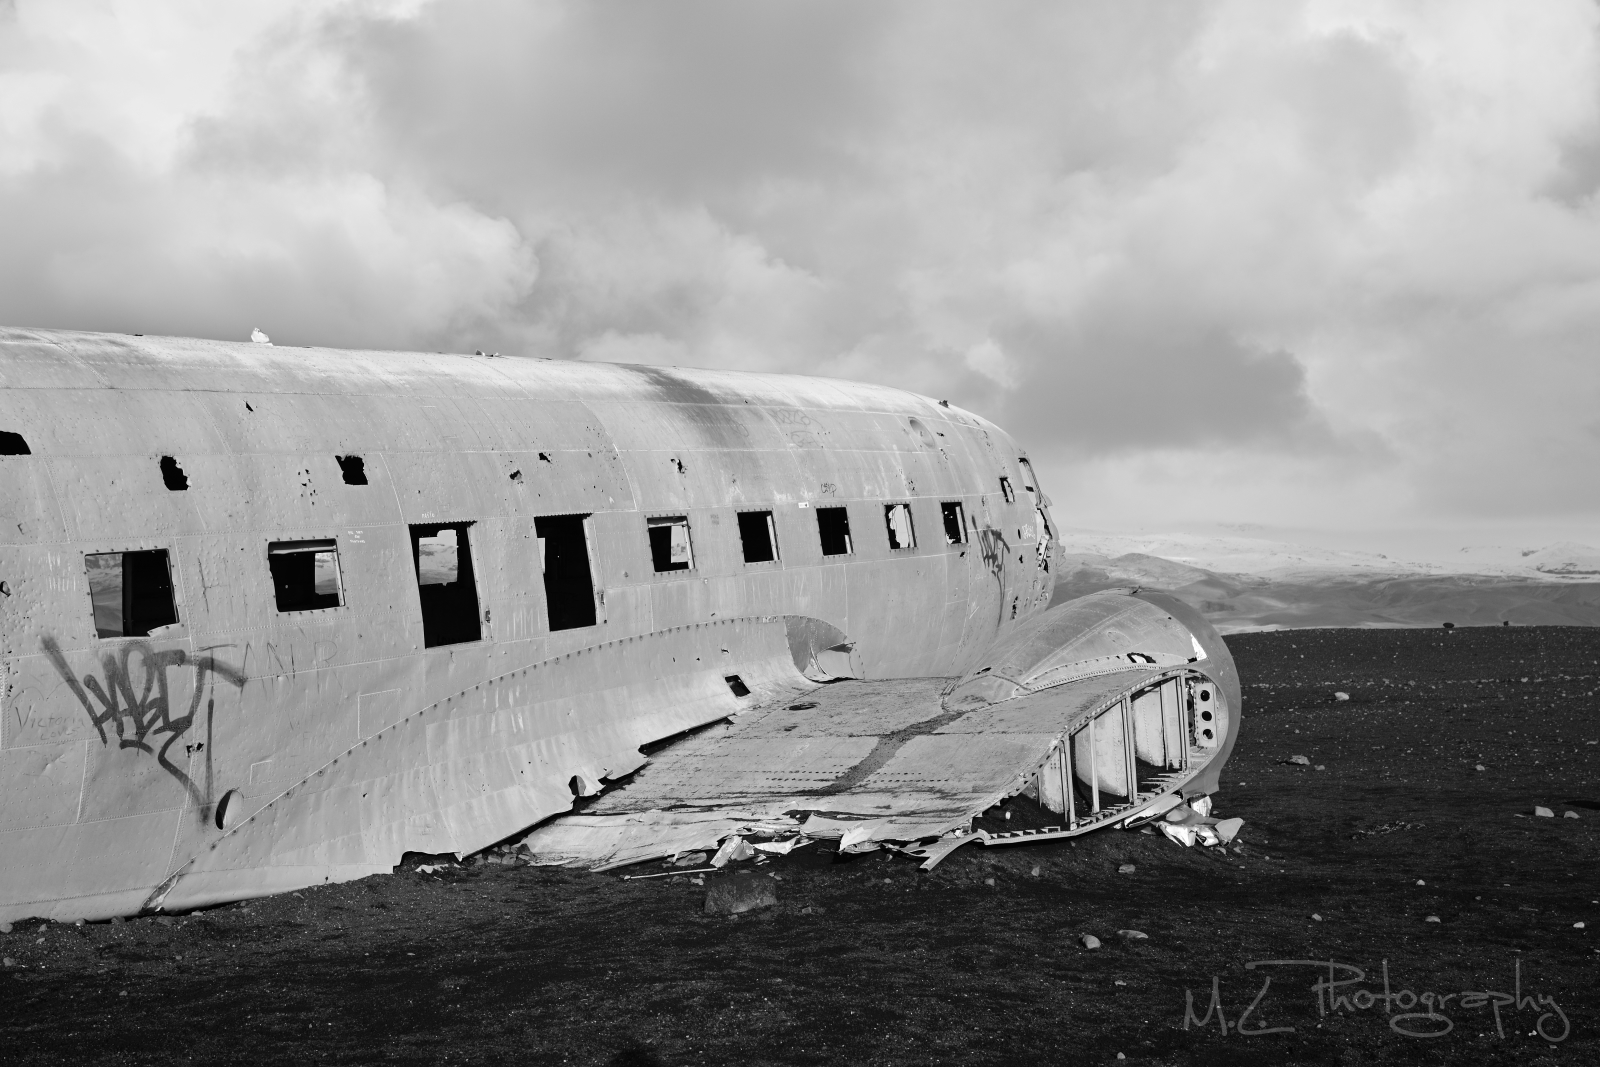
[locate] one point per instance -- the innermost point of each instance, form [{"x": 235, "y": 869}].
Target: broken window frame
[
  {"x": 565, "y": 607},
  {"x": 822, "y": 535},
  {"x": 1041, "y": 503},
  {"x": 148, "y": 622},
  {"x": 437, "y": 631},
  {"x": 771, "y": 527},
  {"x": 278, "y": 550},
  {"x": 889, "y": 511},
  {"x": 669, "y": 523},
  {"x": 959, "y": 514}
]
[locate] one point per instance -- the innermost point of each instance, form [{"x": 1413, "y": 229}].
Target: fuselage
[{"x": 237, "y": 571}]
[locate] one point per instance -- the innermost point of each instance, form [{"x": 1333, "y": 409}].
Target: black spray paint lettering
[
  {"x": 992, "y": 549},
  {"x": 142, "y": 715}
]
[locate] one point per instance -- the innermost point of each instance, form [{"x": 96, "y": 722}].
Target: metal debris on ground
[
  {"x": 668, "y": 874},
  {"x": 739, "y": 895},
  {"x": 733, "y": 850},
  {"x": 781, "y": 848},
  {"x": 1389, "y": 828},
  {"x": 1187, "y": 825}
]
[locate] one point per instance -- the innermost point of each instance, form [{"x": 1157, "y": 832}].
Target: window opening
[
  {"x": 173, "y": 475},
  {"x": 12, "y": 444},
  {"x": 758, "y": 536},
  {"x": 1006, "y": 490},
  {"x": 568, "y": 582},
  {"x": 955, "y": 523},
  {"x": 833, "y": 526},
  {"x": 897, "y": 517},
  {"x": 354, "y": 469},
  {"x": 736, "y": 684},
  {"x": 669, "y": 543},
  {"x": 445, "y": 586},
  {"x": 131, "y": 592},
  {"x": 1040, "y": 504},
  {"x": 305, "y": 574}
]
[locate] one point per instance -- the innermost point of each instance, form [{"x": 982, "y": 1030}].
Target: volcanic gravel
[{"x": 867, "y": 960}]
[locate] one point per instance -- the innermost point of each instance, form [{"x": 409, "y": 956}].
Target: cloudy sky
[{"x": 1321, "y": 266}]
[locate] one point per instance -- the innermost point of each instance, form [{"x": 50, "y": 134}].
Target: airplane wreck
[{"x": 272, "y": 617}]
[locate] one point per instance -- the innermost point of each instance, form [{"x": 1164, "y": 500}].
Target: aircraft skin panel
[{"x": 312, "y": 726}]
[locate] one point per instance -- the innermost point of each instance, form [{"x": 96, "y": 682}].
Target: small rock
[
  {"x": 9, "y": 962},
  {"x": 1301, "y": 761},
  {"x": 1321, "y": 767},
  {"x": 1543, "y": 812},
  {"x": 118, "y": 920},
  {"x": 166, "y": 920},
  {"x": 692, "y": 859},
  {"x": 5, "y": 928},
  {"x": 1341, "y": 696},
  {"x": 1577, "y": 926},
  {"x": 1480, "y": 767},
  {"x": 986, "y": 881},
  {"x": 1315, "y": 917},
  {"x": 1421, "y": 882},
  {"x": 1431, "y": 919},
  {"x": 1569, "y": 815},
  {"x": 734, "y": 897},
  {"x": 1133, "y": 935},
  {"x": 1035, "y": 872},
  {"x": 79, "y": 922},
  {"x": 1120, "y": 1056},
  {"x": 1126, "y": 868},
  {"x": 1089, "y": 941}
]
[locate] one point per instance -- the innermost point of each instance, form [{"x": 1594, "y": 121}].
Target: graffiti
[
  {"x": 135, "y": 700},
  {"x": 992, "y": 549},
  {"x": 792, "y": 417}
]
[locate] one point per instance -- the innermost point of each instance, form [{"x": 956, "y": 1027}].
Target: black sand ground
[{"x": 870, "y": 961}]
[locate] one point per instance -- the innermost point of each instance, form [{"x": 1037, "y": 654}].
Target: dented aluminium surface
[{"x": 272, "y": 617}]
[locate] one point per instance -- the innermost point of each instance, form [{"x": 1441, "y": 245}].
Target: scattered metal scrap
[{"x": 1388, "y": 828}]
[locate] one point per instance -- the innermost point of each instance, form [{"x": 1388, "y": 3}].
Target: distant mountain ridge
[{"x": 1250, "y": 584}]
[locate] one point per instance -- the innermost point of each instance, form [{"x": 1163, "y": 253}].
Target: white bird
[{"x": 259, "y": 338}]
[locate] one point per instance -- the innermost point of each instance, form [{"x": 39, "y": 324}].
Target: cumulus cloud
[{"x": 1290, "y": 262}]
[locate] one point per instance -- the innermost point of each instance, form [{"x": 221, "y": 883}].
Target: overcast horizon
[{"x": 1327, "y": 269}]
